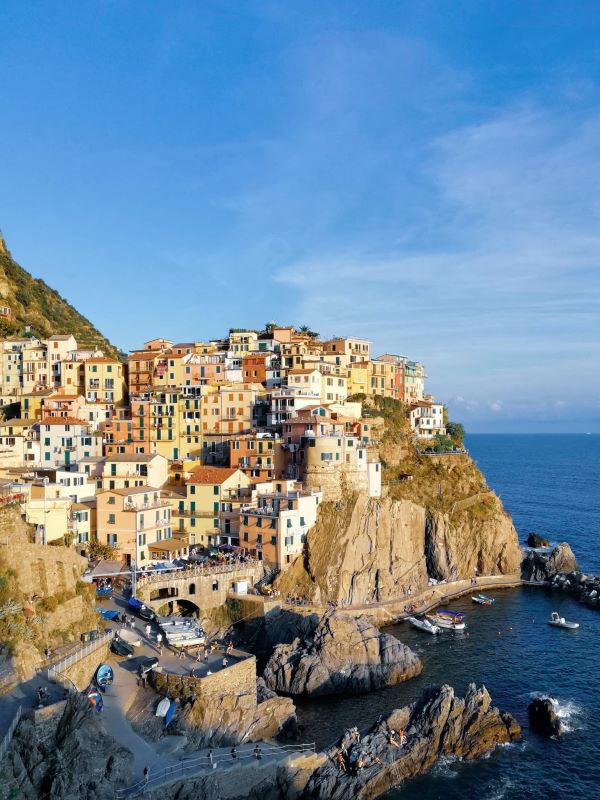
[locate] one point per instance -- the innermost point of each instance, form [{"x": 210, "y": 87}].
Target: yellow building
[
  {"x": 210, "y": 510},
  {"x": 382, "y": 378},
  {"x": 358, "y": 378},
  {"x": 104, "y": 381},
  {"x": 242, "y": 342}
]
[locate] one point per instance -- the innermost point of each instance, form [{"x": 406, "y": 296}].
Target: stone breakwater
[{"x": 558, "y": 569}]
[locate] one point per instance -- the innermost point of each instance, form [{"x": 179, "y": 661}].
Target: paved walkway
[{"x": 423, "y": 602}]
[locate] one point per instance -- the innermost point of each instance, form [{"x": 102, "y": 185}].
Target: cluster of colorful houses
[{"x": 194, "y": 445}]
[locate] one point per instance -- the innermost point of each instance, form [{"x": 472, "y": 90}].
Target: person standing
[
  {"x": 148, "y": 630},
  {"x": 159, "y": 638}
]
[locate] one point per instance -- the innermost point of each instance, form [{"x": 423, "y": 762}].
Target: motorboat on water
[
  {"x": 560, "y": 622},
  {"x": 483, "y": 600},
  {"x": 424, "y": 625},
  {"x": 448, "y": 620}
]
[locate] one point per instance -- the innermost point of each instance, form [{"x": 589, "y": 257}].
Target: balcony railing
[{"x": 147, "y": 506}]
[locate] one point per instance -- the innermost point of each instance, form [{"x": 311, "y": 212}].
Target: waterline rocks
[
  {"x": 535, "y": 540},
  {"x": 543, "y": 717},
  {"x": 438, "y": 724},
  {"x": 343, "y": 654},
  {"x": 543, "y": 567}
]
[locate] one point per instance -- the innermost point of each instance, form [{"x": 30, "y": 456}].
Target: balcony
[{"x": 147, "y": 506}]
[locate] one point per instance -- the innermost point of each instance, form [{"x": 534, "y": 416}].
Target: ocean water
[{"x": 550, "y": 484}]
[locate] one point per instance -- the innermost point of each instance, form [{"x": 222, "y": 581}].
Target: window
[
  {"x": 111, "y": 519},
  {"x": 111, "y": 501},
  {"x": 273, "y": 540},
  {"x": 289, "y": 523}
]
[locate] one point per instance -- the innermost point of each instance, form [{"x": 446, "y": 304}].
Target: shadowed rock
[
  {"x": 543, "y": 717},
  {"x": 544, "y": 566},
  {"x": 343, "y": 654}
]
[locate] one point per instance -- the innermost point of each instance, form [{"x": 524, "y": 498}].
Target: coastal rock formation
[
  {"x": 343, "y": 654},
  {"x": 66, "y": 756},
  {"x": 535, "y": 540},
  {"x": 543, "y": 717},
  {"x": 438, "y": 724},
  {"x": 368, "y": 550},
  {"x": 544, "y": 566},
  {"x": 461, "y": 545}
]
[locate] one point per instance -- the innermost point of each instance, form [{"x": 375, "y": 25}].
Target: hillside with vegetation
[{"x": 36, "y": 305}]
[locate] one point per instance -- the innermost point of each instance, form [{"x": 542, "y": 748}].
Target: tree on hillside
[{"x": 456, "y": 431}]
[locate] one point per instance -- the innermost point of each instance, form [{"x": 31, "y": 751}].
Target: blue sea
[{"x": 549, "y": 484}]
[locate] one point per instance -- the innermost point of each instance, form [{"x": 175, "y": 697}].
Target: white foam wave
[{"x": 570, "y": 713}]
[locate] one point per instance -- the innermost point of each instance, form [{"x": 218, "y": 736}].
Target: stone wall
[
  {"x": 239, "y": 679},
  {"x": 81, "y": 672},
  {"x": 42, "y": 570},
  {"x": 335, "y": 482}
]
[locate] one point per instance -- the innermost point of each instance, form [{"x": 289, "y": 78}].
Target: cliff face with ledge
[{"x": 437, "y": 519}]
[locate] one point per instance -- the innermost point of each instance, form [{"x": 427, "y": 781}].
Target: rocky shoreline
[{"x": 558, "y": 569}]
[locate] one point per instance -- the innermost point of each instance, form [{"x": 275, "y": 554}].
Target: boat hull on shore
[{"x": 424, "y": 625}]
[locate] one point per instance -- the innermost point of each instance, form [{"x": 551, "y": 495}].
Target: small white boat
[
  {"x": 560, "y": 622},
  {"x": 448, "y": 620},
  {"x": 162, "y": 707},
  {"x": 483, "y": 600},
  {"x": 131, "y": 637},
  {"x": 424, "y": 625}
]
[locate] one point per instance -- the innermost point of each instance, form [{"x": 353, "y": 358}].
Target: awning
[{"x": 108, "y": 569}]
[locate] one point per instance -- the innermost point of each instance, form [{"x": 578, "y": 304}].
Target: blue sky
[{"x": 423, "y": 174}]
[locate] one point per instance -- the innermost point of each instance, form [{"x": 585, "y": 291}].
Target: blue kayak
[
  {"x": 104, "y": 592},
  {"x": 104, "y": 677},
  {"x": 133, "y": 602},
  {"x": 108, "y": 614},
  {"x": 170, "y": 713}
]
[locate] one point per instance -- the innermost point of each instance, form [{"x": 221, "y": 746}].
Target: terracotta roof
[
  {"x": 124, "y": 457},
  {"x": 212, "y": 475},
  {"x": 18, "y": 423},
  {"x": 301, "y": 371},
  {"x": 63, "y": 421}
]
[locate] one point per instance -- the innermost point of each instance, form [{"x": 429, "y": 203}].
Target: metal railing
[
  {"x": 5, "y": 743},
  {"x": 200, "y": 570},
  {"x": 54, "y": 672},
  {"x": 194, "y": 766}
]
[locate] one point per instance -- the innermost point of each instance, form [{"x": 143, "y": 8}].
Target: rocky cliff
[
  {"x": 438, "y": 724},
  {"x": 365, "y": 550},
  {"x": 43, "y": 602},
  {"x": 343, "y": 654},
  {"x": 66, "y": 756}
]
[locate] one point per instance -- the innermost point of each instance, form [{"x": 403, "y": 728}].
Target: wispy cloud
[{"x": 511, "y": 280}]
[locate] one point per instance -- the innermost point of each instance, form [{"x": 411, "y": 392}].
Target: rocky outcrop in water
[
  {"x": 438, "y": 724},
  {"x": 559, "y": 570},
  {"x": 343, "y": 654},
  {"x": 535, "y": 540},
  {"x": 544, "y": 567},
  {"x": 66, "y": 756},
  {"x": 543, "y": 717}
]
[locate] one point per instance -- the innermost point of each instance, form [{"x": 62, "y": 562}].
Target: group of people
[{"x": 353, "y": 759}]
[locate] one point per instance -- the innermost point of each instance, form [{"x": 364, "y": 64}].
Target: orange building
[
  {"x": 260, "y": 456},
  {"x": 254, "y": 368}
]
